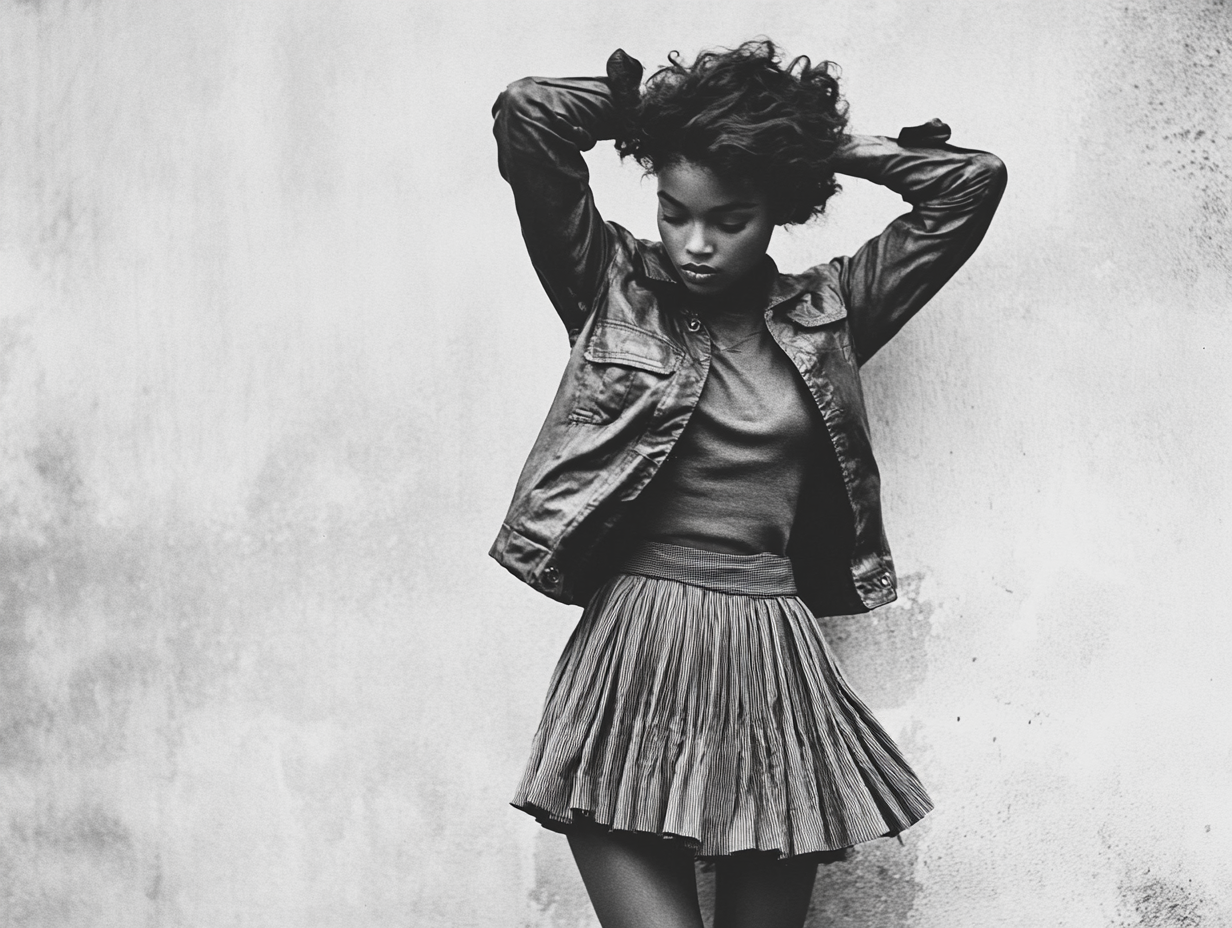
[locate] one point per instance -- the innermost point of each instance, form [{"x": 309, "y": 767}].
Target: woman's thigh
[
  {"x": 636, "y": 881},
  {"x": 757, "y": 891}
]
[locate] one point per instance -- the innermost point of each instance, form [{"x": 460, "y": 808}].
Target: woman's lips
[{"x": 698, "y": 273}]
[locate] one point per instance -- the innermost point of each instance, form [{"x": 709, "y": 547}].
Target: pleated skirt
[{"x": 698, "y": 701}]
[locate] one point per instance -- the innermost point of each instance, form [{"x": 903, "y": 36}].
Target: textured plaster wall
[{"x": 271, "y": 356}]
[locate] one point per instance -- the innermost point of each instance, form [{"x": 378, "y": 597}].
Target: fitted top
[{"x": 735, "y": 478}]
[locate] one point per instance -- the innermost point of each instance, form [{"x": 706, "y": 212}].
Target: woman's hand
[
  {"x": 624, "y": 77},
  {"x": 931, "y": 134}
]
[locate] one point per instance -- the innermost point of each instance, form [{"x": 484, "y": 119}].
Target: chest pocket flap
[
  {"x": 621, "y": 343},
  {"x": 818, "y": 307}
]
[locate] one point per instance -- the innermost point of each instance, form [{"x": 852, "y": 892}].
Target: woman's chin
[{"x": 712, "y": 287}]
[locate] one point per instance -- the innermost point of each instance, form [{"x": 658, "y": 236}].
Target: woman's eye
[
  {"x": 672, "y": 220},
  {"x": 727, "y": 227}
]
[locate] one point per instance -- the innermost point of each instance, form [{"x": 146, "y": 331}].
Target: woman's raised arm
[
  {"x": 542, "y": 127},
  {"x": 953, "y": 193}
]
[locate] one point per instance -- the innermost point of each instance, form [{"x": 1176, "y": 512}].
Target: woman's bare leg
[
  {"x": 757, "y": 891},
  {"x": 637, "y": 881}
]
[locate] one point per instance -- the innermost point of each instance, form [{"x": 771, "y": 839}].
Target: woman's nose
[{"x": 698, "y": 242}]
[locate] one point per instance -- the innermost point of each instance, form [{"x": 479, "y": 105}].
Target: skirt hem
[{"x": 583, "y": 819}]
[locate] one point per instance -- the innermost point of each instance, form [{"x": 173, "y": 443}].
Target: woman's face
[{"x": 715, "y": 231}]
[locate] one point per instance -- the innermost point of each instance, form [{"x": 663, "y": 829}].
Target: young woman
[{"x": 704, "y": 483}]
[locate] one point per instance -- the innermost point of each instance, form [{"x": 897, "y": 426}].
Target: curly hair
[{"x": 743, "y": 115}]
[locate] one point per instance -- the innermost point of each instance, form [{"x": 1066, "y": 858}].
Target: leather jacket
[{"x": 639, "y": 357}]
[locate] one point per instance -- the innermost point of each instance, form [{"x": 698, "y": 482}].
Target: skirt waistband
[{"x": 750, "y": 574}]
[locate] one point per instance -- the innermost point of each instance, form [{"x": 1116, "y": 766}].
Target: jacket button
[
  {"x": 574, "y": 333},
  {"x": 885, "y": 581},
  {"x": 693, "y": 325},
  {"x": 551, "y": 576}
]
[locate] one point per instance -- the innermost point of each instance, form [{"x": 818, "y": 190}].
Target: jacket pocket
[{"x": 621, "y": 366}]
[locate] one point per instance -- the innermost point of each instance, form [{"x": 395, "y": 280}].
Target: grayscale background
[{"x": 271, "y": 355}]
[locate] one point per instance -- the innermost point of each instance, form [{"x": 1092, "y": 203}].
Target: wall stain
[
  {"x": 558, "y": 896},
  {"x": 1176, "y": 96},
  {"x": 88, "y": 829},
  {"x": 883, "y": 652},
  {"x": 102, "y": 693},
  {"x": 876, "y": 886},
  {"x": 41, "y": 566},
  {"x": 1157, "y": 902}
]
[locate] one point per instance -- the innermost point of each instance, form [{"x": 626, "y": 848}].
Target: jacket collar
[{"x": 656, "y": 266}]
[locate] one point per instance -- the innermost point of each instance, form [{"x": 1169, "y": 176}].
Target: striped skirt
[{"x": 697, "y": 700}]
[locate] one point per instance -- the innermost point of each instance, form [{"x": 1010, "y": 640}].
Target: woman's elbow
[
  {"x": 991, "y": 171},
  {"x": 519, "y": 96}
]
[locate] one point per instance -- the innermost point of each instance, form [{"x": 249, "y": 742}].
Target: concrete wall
[{"x": 271, "y": 356}]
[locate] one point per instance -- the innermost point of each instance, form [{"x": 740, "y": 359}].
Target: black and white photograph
[{"x": 636, "y": 465}]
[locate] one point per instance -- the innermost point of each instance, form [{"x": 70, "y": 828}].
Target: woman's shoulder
[{"x": 820, "y": 276}]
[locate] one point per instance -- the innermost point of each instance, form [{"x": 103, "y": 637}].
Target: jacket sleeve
[
  {"x": 542, "y": 126},
  {"x": 953, "y": 194}
]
